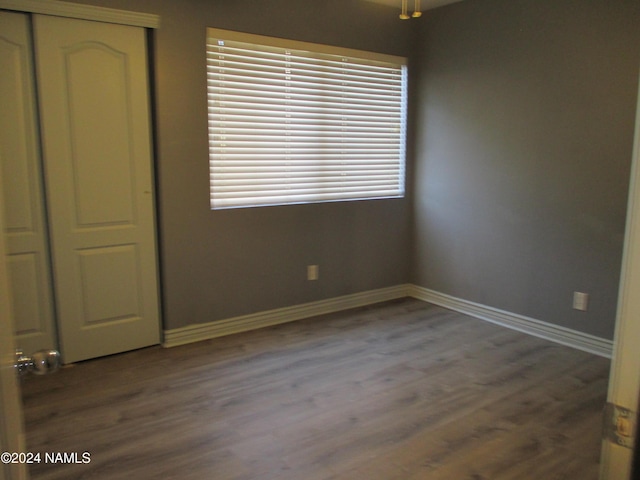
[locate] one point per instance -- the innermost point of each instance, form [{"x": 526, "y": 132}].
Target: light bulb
[
  {"x": 417, "y": 11},
  {"x": 404, "y": 15}
]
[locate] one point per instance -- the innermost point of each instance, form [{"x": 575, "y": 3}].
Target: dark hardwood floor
[{"x": 400, "y": 390}]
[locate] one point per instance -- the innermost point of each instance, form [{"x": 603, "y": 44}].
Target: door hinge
[{"x": 619, "y": 425}]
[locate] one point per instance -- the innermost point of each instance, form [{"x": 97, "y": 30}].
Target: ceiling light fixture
[{"x": 417, "y": 11}]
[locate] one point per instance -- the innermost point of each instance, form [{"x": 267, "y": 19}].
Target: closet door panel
[
  {"x": 28, "y": 257},
  {"x": 100, "y": 126},
  {"x": 92, "y": 80}
]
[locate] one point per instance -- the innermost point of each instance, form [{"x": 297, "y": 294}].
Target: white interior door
[
  {"x": 94, "y": 110},
  {"x": 624, "y": 382},
  {"x": 11, "y": 420},
  {"x": 28, "y": 254}
]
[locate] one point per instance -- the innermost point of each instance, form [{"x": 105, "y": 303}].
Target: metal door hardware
[{"x": 41, "y": 362}]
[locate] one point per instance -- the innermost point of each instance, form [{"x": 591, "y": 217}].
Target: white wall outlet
[
  {"x": 313, "y": 271},
  {"x": 580, "y": 301}
]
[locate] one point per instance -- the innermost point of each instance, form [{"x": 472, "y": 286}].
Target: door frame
[
  {"x": 83, "y": 12},
  {"x": 624, "y": 379}
]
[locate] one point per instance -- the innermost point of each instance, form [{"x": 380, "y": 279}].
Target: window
[{"x": 293, "y": 122}]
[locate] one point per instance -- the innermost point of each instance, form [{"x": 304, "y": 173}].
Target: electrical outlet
[
  {"x": 580, "y": 301},
  {"x": 313, "y": 272}
]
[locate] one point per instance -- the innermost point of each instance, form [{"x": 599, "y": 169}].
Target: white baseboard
[
  {"x": 554, "y": 333},
  {"x": 565, "y": 336},
  {"x": 205, "y": 331}
]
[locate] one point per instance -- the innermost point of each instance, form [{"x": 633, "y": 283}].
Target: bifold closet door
[
  {"x": 96, "y": 144},
  {"x": 26, "y": 232}
]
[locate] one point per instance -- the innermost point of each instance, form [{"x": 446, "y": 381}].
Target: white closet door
[
  {"x": 28, "y": 258},
  {"x": 94, "y": 107}
]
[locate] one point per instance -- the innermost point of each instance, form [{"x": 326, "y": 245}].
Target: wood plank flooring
[{"x": 395, "y": 391}]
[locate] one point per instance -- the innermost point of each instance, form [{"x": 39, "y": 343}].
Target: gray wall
[
  {"x": 222, "y": 264},
  {"x": 522, "y": 117},
  {"x": 525, "y": 129}
]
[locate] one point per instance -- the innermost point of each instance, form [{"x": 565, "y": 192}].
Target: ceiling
[{"x": 425, "y": 4}]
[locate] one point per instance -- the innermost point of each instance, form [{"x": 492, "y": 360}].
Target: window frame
[{"x": 349, "y": 178}]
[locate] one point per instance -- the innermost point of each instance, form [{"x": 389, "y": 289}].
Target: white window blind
[{"x": 293, "y": 122}]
